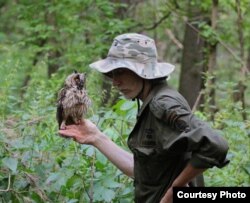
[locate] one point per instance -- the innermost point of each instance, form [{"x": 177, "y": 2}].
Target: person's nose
[{"x": 116, "y": 82}]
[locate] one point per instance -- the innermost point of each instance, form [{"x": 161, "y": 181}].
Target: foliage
[
  {"x": 236, "y": 132},
  {"x": 36, "y": 164},
  {"x": 43, "y": 167}
]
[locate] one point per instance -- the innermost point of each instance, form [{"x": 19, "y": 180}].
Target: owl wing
[
  {"x": 60, "y": 115},
  {"x": 59, "y": 111}
]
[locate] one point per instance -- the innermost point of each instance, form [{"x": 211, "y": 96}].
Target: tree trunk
[
  {"x": 212, "y": 46},
  {"x": 53, "y": 54},
  {"x": 248, "y": 60},
  {"x": 240, "y": 88},
  {"x": 192, "y": 67}
]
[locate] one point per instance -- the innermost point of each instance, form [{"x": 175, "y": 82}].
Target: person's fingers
[
  {"x": 78, "y": 126},
  {"x": 68, "y": 127},
  {"x": 64, "y": 136},
  {"x": 66, "y": 133},
  {"x": 82, "y": 122}
]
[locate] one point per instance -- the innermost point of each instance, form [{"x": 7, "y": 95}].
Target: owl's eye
[{"x": 77, "y": 78}]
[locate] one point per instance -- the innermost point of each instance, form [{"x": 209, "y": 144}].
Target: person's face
[{"x": 127, "y": 82}]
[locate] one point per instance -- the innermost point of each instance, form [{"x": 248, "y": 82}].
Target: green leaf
[
  {"x": 108, "y": 182},
  {"x": 127, "y": 105},
  {"x": 247, "y": 168},
  {"x": 10, "y": 163},
  {"x": 90, "y": 151},
  {"x": 103, "y": 194},
  {"x": 108, "y": 195},
  {"x": 73, "y": 201},
  {"x": 53, "y": 177},
  {"x": 101, "y": 158}
]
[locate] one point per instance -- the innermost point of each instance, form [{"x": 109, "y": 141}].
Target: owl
[{"x": 73, "y": 101}]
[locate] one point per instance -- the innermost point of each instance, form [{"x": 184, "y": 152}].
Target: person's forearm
[
  {"x": 119, "y": 157},
  {"x": 188, "y": 173}
]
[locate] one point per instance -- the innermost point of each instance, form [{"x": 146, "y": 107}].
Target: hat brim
[{"x": 152, "y": 70}]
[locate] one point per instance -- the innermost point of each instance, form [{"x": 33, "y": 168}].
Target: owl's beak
[{"x": 81, "y": 85}]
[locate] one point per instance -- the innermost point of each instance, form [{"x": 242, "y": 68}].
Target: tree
[{"x": 192, "y": 64}]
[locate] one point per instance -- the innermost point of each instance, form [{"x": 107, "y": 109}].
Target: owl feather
[{"x": 73, "y": 101}]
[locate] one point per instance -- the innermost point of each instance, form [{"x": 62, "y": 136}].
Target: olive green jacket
[{"x": 165, "y": 138}]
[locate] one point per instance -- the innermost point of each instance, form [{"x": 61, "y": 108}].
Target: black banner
[{"x": 211, "y": 194}]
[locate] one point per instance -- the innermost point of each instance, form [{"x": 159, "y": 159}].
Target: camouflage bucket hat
[{"x": 137, "y": 53}]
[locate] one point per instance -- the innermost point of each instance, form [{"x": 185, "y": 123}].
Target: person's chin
[{"x": 127, "y": 96}]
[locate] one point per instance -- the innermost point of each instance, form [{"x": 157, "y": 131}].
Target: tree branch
[
  {"x": 174, "y": 39},
  {"x": 8, "y": 187},
  {"x": 156, "y": 24},
  {"x": 223, "y": 45}
]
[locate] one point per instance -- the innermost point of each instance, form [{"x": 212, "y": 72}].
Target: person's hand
[
  {"x": 168, "y": 197},
  {"x": 84, "y": 133}
]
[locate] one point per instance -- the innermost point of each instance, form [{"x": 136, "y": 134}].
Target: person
[{"x": 170, "y": 147}]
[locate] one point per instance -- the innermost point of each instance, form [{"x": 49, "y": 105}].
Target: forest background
[{"x": 41, "y": 42}]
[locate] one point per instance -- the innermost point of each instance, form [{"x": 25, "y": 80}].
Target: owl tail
[{"x": 59, "y": 115}]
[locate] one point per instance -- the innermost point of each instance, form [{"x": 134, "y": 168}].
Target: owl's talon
[
  {"x": 63, "y": 127},
  {"x": 79, "y": 122}
]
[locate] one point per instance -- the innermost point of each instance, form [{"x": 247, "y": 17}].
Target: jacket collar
[{"x": 150, "y": 96}]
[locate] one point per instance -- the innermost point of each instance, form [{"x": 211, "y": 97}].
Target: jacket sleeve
[{"x": 189, "y": 134}]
